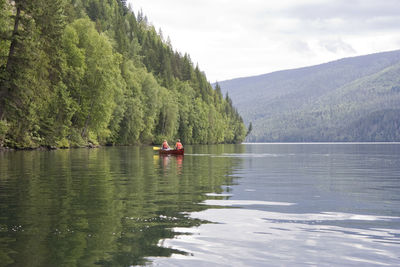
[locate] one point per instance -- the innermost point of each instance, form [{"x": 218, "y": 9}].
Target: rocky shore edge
[{"x": 47, "y": 148}]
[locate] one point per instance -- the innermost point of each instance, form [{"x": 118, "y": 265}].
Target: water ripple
[{"x": 304, "y": 239}]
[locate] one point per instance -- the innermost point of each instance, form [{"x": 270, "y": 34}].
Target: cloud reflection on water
[{"x": 254, "y": 237}]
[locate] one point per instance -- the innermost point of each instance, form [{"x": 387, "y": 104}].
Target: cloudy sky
[{"x": 234, "y": 38}]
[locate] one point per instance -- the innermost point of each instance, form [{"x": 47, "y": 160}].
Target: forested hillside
[
  {"x": 353, "y": 99},
  {"x": 75, "y": 72}
]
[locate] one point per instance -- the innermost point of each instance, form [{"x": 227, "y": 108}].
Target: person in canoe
[
  {"x": 178, "y": 145},
  {"x": 165, "y": 145}
]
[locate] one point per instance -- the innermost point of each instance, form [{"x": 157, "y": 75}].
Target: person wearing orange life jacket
[
  {"x": 165, "y": 145},
  {"x": 178, "y": 145}
]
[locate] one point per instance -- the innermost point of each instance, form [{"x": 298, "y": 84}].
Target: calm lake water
[{"x": 225, "y": 205}]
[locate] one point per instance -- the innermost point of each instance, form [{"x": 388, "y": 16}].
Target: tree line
[{"x": 74, "y": 72}]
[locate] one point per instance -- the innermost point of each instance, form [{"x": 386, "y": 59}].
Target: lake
[{"x": 223, "y": 205}]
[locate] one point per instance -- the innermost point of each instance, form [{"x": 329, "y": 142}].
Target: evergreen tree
[
  {"x": 249, "y": 129},
  {"x": 79, "y": 71}
]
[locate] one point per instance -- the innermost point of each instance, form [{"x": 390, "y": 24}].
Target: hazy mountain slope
[{"x": 327, "y": 102}]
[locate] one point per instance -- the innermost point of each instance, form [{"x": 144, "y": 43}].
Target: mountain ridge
[{"x": 282, "y": 105}]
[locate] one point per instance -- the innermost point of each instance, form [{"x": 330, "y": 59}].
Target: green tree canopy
[{"x": 74, "y": 72}]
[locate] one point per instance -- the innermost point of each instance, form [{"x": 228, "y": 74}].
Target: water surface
[{"x": 227, "y": 205}]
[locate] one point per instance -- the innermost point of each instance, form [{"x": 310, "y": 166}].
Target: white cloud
[
  {"x": 336, "y": 46},
  {"x": 240, "y": 38}
]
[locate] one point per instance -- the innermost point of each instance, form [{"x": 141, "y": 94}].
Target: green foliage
[
  {"x": 5, "y": 29},
  {"x": 100, "y": 83},
  {"x": 63, "y": 143},
  {"x": 75, "y": 72},
  {"x": 3, "y": 131},
  {"x": 249, "y": 129}
]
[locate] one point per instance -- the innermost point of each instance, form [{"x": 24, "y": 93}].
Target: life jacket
[
  {"x": 165, "y": 145},
  {"x": 178, "y": 145}
]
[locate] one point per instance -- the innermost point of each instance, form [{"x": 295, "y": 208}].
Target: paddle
[{"x": 156, "y": 148}]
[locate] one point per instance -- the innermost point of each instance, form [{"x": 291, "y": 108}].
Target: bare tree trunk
[
  {"x": 13, "y": 39},
  {"x": 4, "y": 87},
  {"x": 83, "y": 134}
]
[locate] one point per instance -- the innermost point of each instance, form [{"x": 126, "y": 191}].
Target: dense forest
[
  {"x": 352, "y": 99},
  {"x": 79, "y": 72}
]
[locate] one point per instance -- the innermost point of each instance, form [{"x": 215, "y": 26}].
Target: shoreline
[
  {"x": 46, "y": 148},
  {"x": 92, "y": 146},
  {"x": 323, "y": 143}
]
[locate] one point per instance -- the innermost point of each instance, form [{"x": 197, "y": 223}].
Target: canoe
[{"x": 172, "y": 152}]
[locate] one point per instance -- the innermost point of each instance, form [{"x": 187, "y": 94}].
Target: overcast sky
[{"x": 231, "y": 39}]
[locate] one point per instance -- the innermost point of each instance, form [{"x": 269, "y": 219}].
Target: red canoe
[{"x": 172, "y": 151}]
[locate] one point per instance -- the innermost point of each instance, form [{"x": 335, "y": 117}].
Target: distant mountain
[{"x": 352, "y": 99}]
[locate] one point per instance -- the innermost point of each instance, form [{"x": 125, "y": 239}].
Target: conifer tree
[{"x": 79, "y": 71}]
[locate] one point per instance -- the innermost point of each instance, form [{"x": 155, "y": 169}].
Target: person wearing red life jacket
[
  {"x": 178, "y": 145},
  {"x": 165, "y": 145}
]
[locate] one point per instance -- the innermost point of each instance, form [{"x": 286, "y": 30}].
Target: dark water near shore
[{"x": 229, "y": 205}]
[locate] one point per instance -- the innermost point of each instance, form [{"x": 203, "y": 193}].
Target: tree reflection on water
[{"x": 108, "y": 206}]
